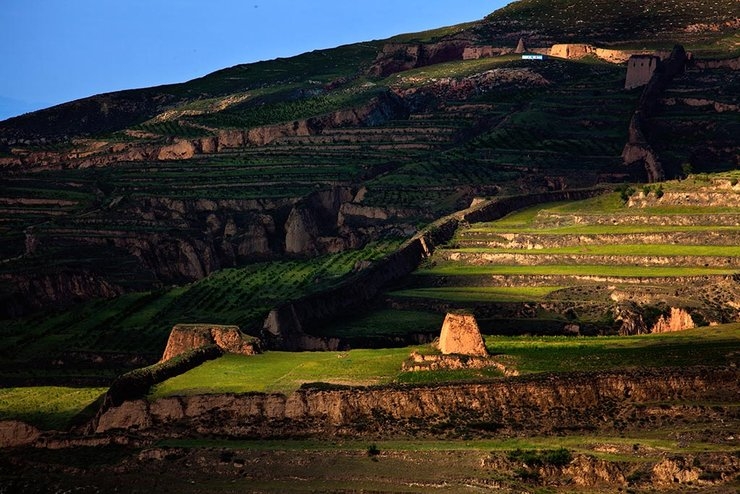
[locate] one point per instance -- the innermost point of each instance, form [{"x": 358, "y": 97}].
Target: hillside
[
  {"x": 580, "y": 203},
  {"x": 147, "y": 198}
]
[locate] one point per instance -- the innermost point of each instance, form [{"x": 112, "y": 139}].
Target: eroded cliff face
[
  {"x": 166, "y": 240},
  {"x": 397, "y": 57},
  {"x": 539, "y": 404}
]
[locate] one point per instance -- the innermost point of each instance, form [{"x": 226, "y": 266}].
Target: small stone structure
[
  {"x": 462, "y": 347},
  {"x": 521, "y": 47},
  {"x": 640, "y": 68},
  {"x": 186, "y": 337},
  {"x": 460, "y": 335}
]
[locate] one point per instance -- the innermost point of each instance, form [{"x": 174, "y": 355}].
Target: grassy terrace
[
  {"x": 451, "y": 269},
  {"x": 46, "y": 407},
  {"x": 479, "y": 293},
  {"x": 618, "y": 250},
  {"x": 285, "y": 372}
]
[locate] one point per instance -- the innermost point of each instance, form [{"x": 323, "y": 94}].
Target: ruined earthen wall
[
  {"x": 638, "y": 151},
  {"x": 640, "y": 69},
  {"x": 537, "y": 404}
]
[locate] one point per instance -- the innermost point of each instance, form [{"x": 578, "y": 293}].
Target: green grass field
[
  {"x": 285, "y": 372},
  {"x": 452, "y": 269},
  {"x": 479, "y": 293},
  {"x": 619, "y": 250},
  {"x": 46, "y": 407}
]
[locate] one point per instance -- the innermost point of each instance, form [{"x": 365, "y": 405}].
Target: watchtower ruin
[{"x": 640, "y": 68}]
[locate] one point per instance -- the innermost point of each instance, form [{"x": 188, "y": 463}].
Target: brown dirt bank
[{"x": 608, "y": 402}]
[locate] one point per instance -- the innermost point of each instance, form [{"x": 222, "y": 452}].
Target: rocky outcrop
[
  {"x": 53, "y": 288},
  {"x": 726, "y": 63},
  {"x": 677, "y": 320},
  {"x": 399, "y": 57},
  {"x": 628, "y": 319},
  {"x": 14, "y": 433},
  {"x": 418, "y": 362},
  {"x": 180, "y": 150},
  {"x": 186, "y": 337},
  {"x": 672, "y": 471},
  {"x": 537, "y": 404},
  {"x": 460, "y": 335},
  {"x": 460, "y": 89},
  {"x": 313, "y": 225}
]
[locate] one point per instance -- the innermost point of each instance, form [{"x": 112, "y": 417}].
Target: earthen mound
[
  {"x": 460, "y": 335},
  {"x": 230, "y": 339}
]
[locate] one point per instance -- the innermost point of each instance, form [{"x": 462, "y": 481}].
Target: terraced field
[
  {"x": 592, "y": 267},
  {"x": 95, "y": 341}
]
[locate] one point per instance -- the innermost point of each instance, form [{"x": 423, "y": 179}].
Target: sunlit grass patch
[{"x": 46, "y": 407}]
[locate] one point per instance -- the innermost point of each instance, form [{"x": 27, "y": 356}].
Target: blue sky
[{"x": 55, "y": 51}]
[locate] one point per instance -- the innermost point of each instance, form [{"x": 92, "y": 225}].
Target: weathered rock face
[
  {"x": 14, "y": 433},
  {"x": 576, "y": 51},
  {"x": 186, "y": 337},
  {"x": 180, "y": 150},
  {"x": 460, "y": 335},
  {"x": 672, "y": 471},
  {"x": 418, "y": 362},
  {"x": 629, "y": 319},
  {"x": 397, "y": 57},
  {"x": 460, "y": 89},
  {"x": 54, "y": 288},
  {"x": 678, "y": 320}
]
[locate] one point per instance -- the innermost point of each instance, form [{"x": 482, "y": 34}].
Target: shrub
[
  {"x": 533, "y": 458},
  {"x": 373, "y": 450},
  {"x": 557, "y": 457},
  {"x": 625, "y": 192}
]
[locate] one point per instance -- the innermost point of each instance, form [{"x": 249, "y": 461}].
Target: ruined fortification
[
  {"x": 461, "y": 335},
  {"x": 640, "y": 69},
  {"x": 186, "y": 337}
]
